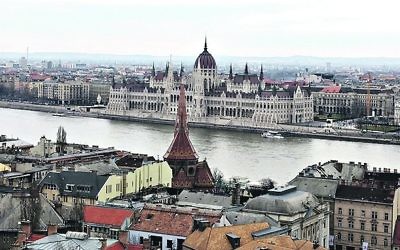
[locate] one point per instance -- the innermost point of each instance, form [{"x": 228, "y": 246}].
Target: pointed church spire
[
  {"x": 230, "y": 72},
  {"x": 153, "y": 71},
  {"x": 181, "y": 149},
  {"x": 246, "y": 70},
  {"x": 182, "y": 71},
  {"x": 205, "y": 44},
  {"x": 166, "y": 68},
  {"x": 261, "y": 73},
  {"x": 113, "y": 81},
  {"x": 181, "y": 116}
]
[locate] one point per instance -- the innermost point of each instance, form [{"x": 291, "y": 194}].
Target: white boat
[
  {"x": 272, "y": 134},
  {"x": 59, "y": 114}
]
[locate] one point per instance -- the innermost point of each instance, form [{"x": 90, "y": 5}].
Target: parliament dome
[{"x": 205, "y": 60}]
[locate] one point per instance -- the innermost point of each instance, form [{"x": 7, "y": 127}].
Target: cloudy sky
[{"x": 342, "y": 28}]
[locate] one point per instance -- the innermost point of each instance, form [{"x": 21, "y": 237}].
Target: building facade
[
  {"x": 69, "y": 92},
  {"x": 305, "y": 216},
  {"x": 211, "y": 96},
  {"x": 363, "y": 216},
  {"x": 353, "y": 102}
]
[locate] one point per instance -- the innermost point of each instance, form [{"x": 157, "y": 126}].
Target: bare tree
[{"x": 61, "y": 140}]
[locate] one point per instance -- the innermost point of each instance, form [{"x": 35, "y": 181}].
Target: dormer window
[
  {"x": 69, "y": 187},
  {"x": 83, "y": 188}
]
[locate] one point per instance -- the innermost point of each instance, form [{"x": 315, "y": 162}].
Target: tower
[
  {"x": 188, "y": 172},
  {"x": 204, "y": 80}
]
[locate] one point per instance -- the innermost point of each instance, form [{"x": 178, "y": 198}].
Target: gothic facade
[{"x": 212, "y": 97}]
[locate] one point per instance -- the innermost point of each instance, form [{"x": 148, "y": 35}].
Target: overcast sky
[{"x": 342, "y": 28}]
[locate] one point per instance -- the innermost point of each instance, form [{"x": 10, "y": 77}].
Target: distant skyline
[{"x": 269, "y": 28}]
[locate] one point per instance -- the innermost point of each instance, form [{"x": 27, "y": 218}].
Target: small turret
[
  {"x": 261, "y": 73},
  {"x": 166, "y": 68},
  {"x": 153, "y": 71},
  {"x": 182, "y": 71},
  {"x": 230, "y": 72}
]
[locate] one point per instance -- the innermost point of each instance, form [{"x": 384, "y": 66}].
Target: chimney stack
[
  {"x": 26, "y": 227},
  {"x": 123, "y": 237},
  {"x": 236, "y": 194},
  {"x": 103, "y": 242},
  {"x": 52, "y": 229}
]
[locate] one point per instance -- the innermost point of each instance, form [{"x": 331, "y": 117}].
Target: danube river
[{"x": 234, "y": 153}]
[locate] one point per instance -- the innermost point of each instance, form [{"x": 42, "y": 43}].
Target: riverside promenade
[{"x": 287, "y": 130}]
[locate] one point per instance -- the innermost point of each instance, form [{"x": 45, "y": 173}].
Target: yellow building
[
  {"x": 150, "y": 175},
  {"x": 4, "y": 168}
]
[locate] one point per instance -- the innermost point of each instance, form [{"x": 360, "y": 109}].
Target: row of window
[
  {"x": 350, "y": 238},
  {"x": 374, "y": 226},
  {"x": 374, "y": 214}
]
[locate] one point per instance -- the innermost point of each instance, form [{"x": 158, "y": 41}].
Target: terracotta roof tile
[
  {"x": 105, "y": 215},
  {"x": 215, "y": 238},
  {"x": 171, "y": 220}
]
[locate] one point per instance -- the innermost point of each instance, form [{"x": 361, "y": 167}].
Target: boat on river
[{"x": 272, "y": 134}]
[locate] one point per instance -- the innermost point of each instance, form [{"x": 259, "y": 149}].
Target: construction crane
[{"x": 368, "y": 101}]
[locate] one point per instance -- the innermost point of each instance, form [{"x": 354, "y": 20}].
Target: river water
[{"x": 234, "y": 153}]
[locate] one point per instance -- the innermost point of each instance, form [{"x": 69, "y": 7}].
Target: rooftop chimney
[
  {"x": 236, "y": 195},
  {"x": 123, "y": 237},
  {"x": 26, "y": 227},
  {"x": 103, "y": 242},
  {"x": 52, "y": 229},
  {"x": 234, "y": 240}
]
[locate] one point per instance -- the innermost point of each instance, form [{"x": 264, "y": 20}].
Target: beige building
[
  {"x": 352, "y": 102},
  {"x": 240, "y": 99},
  {"x": 363, "y": 216},
  {"x": 69, "y": 92}
]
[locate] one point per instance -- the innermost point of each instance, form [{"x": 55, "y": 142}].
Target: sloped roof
[
  {"x": 202, "y": 178},
  {"x": 119, "y": 246},
  {"x": 240, "y": 218},
  {"x": 239, "y": 78},
  {"x": 280, "y": 243},
  {"x": 320, "y": 187},
  {"x": 187, "y": 198},
  {"x": 331, "y": 89},
  {"x": 215, "y": 238},
  {"x": 60, "y": 241},
  {"x": 181, "y": 147},
  {"x": 93, "y": 180},
  {"x": 365, "y": 194},
  {"x": 288, "y": 203},
  {"x": 171, "y": 220},
  {"x": 10, "y": 220},
  {"x": 106, "y": 215}
]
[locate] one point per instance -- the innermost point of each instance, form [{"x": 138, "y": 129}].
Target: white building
[
  {"x": 306, "y": 217},
  {"x": 211, "y": 97}
]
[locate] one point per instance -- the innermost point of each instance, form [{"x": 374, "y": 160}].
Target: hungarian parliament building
[{"x": 243, "y": 99}]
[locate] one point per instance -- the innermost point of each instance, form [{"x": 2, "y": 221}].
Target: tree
[
  {"x": 267, "y": 183},
  {"x": 61, "y": 140},
  {"x": 219, "y": 183}
]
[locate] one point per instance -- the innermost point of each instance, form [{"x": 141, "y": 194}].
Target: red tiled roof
[
  {"x": 170, "y": 221},
  {"x": 35, "y": 237},
  {"x": 331, "y": 89},
  {"x": 105, "y": 215},
  {"x": 119, "y": 246}
]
